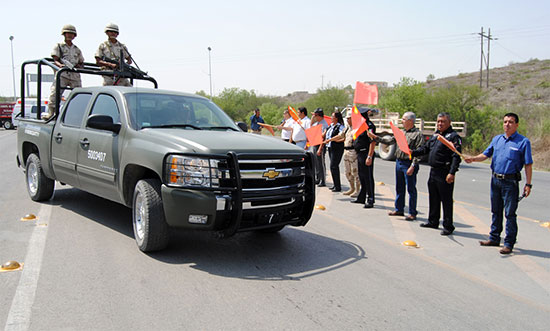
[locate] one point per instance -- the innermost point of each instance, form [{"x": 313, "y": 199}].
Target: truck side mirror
[
  {"x": 102, "y": 122},
  {"x": 242, "y": 126}
]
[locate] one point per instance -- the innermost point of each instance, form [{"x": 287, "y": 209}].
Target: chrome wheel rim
[
  {"x": 32, "y": 178},
  {"x": 139, "y": 215}
]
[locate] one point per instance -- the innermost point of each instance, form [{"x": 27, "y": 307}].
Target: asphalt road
[{"x": 347, "y": 269}]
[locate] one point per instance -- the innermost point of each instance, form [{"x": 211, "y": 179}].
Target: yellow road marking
[
  {"x": 420, "y": 254},
  {"x": 401, "y": 228},
  {"x": 525, "y": 263}
]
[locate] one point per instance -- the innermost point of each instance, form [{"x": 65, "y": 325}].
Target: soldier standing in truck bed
[
  {"x": 110, "y": 50},
  {"x": 63, "y": 54}
]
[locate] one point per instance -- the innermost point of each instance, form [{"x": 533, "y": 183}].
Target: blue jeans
[
  {"x": 504, "y": 197},
  {"x": 402, "y": 180}
]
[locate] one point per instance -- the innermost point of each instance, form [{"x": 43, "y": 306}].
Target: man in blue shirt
[
  {"x": 254, "y": 120},
  {"x": 510, "y": 152}
]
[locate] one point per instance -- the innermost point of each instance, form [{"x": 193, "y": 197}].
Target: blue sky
[{"x": 285, "y": 46}]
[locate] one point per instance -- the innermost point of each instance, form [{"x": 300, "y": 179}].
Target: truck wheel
[
  {"x": 387, "y": 152},
  {"x": 150, "y": 228},
  {"x": 39, "y": 186},
  {"x": 8, "y": 125}
]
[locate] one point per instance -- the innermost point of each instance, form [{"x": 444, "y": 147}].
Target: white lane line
[{"x": 19, "y": 317}]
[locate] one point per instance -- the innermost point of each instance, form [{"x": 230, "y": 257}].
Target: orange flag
[
  {"x": 449, "y": 144},
  {"x": 294, "y": 114},
  {"x": 365, "y": 94},
  {"x": 401, "y": 140},
  {"x": 356, "y": 118},
  {"x": 358, "y": 122},
  {"x": 268, "y": 127},
  {"x": 328, "y": 118},
  {"x": 360, "y": 130},
  {"x": 314, "y": 135}
]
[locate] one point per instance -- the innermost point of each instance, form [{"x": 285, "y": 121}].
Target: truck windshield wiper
[
  {"x": 172, "y": 126},
  {"x": 221, "y": 127}
]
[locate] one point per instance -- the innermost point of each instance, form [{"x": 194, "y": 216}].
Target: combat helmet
[
  {"x": 68, "y": 28},
  {"x": 111, "y": 27}
]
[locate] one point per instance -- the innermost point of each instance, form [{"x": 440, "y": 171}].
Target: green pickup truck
[{"x": 176, "y": 159}]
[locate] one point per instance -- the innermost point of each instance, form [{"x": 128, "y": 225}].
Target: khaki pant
[
  {"x": 110, "y": 81},
  {"x": 350, "y": 166},
  {"x": 64, "y": 82}
]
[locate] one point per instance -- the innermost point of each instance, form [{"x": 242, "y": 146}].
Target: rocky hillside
[
  {"x": 518, "y": 83},
  {"x": 523, "y": 88}
]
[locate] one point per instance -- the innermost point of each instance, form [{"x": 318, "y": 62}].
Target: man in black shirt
[
  {"x": 364, "y": 146},
  {"x": 444, "y": 164}
]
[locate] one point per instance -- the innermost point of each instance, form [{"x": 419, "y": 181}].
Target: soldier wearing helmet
[
  {"x": 110, "y": 50},
  {"x": 65, "y": 54}
]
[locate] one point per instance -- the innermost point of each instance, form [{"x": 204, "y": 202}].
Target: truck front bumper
[{"x": 243, "y": 206}]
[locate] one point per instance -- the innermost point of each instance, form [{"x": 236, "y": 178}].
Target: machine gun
[
  {"x": 124, "y": 70},
  {"x": 67, "y": 63}
]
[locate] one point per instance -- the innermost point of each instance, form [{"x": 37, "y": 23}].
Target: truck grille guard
[
  {"x": 253, "y": 185},
  {"x": 248, "y": 170}
]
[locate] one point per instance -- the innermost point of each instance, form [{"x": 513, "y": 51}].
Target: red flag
[
  {"x": 294, "y": 114},
  {"x": 268, "y": 127},
  {"x": 315, "y": 135},
  {"x": 360, "y": 130},
  {"x": 449, "y": 144},
  {"x": 328, "y": 118},
  {"x": 365, "y": 94},
  {"x": 356, "y": 118},
  {"x": 400, "y": 139}
]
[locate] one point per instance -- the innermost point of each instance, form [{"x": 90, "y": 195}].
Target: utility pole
[
  {"x": 489, "y": 38},
  {"x": 488, "y": 53},
  {"x": 210, "y": 70},
  {"x": 322, "y": 81},
  {"x": 13, "y": 71},
  {"x": 481, "y": 64}
]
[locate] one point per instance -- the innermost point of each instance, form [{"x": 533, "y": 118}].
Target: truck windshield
[{"x": 150, "y": 110}]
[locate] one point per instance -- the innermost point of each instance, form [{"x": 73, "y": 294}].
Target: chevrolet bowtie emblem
[{"x": 271, "y": 174}]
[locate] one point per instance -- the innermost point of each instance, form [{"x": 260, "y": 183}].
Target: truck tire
[
  {"x": 150, "y": 228},
  {"x": 39, "y": 186},
  {"x": 8, "y": 125},
  {"x": 387, "y": 152}
]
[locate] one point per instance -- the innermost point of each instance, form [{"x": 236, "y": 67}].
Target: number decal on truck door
[{"x": 97, "y": 156}]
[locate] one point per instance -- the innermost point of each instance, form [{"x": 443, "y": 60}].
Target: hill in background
[
  {"x": 516, "y": 84},
  {"x": 523, "y": 88}
]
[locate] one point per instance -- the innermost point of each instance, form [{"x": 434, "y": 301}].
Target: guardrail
[{"x": 427, "y": 128}]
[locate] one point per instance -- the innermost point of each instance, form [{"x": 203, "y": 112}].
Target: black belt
[
  {"x": 516, "y": 176},
  {"x": 348, "y": 147}
]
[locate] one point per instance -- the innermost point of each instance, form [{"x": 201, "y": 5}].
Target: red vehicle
[{"x": 6, "y": 108}]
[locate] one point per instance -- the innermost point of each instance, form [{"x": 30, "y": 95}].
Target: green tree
[
  {"x": 328, "y": 98},
  {"x": 405, "y": 96},
  {"x": 458, "y": 100},
  {"x": 271, "y": 113},
  {"x": 239, "y": 104}
]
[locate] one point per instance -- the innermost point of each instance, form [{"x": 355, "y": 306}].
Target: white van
[{"x": 30, "y": 109}]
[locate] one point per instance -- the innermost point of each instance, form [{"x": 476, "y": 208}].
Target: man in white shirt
[
  {"x": 298, "y": 131},
  {"x": 319, "y": 151},
  {"x": 286, "y": 126}
]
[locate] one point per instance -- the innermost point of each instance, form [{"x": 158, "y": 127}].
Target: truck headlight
[{"x": 183, "y": 170}]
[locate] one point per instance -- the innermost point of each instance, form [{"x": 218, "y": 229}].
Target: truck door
[
  {"x": 65, "y": 139},
  {"x": 98, "y": 152}
]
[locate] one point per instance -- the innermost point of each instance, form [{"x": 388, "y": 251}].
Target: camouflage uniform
[
  {"x": 68, "y": 79},
  {"x": 350, "y": 164},
  {"x": 112, "y": 51}
]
